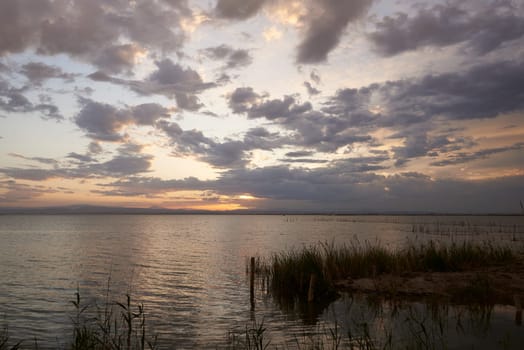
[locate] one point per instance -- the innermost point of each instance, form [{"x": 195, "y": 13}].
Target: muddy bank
[{"x": 498, "y": 284}]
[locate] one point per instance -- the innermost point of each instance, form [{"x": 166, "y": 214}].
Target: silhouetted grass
[
  {"x": 114, "y": 326},
  {"x": 5, "y": 344}
]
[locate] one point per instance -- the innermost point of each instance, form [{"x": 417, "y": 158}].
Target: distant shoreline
[{"x": 100, "y": 210}]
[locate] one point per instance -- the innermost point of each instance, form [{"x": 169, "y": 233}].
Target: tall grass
[
  {"x": 5, "y": 344},
  {"x": 290, "y": 272},
  {"x": 113, "y": 326}
]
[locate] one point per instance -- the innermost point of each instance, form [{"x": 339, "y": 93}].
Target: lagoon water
[{"x": 189, "y": 271}]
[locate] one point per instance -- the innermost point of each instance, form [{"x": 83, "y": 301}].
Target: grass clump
[
  {"x": 290, "y": 272},
  {"x": 454, "y": 257}
]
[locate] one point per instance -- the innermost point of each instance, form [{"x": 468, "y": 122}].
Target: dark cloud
[
  {"x": 20, "y": 21},
  {"x": 101, "y": 121},
  {"x": 43, "y": 160},
  {"x": 18, "y": 192},
  {"x": 235, "y": 9},
  {"x": 312, "y": 129},
  {"x": 124, "y": 165},
  {"x": 311, "y": 90},
  {"x": 95, "y": 148},
  {"x": 304, "y": 160},
  {"x": 411, "y": 108},
  {"x": 325, "y": 26},
  {"x": 242, "y": 99},
  {"x": 118, "y": 58},
  {"x": 338, "y": 188},
  {"x": 481, "y": 29},
  {"x": 261, "y": 138},
  {"x": 104, "y": 122},
  {"x": 92, "y": 30},
  {"x": 220, "y": 154},
  {"x": 286, "y": 108},
  {"x": 32, "y": 174},
  {"x": 463, "y": 157},
  {"x": 13, "y": 100},
  {"x": 315, "y": 76},
  {"x": 81, "y": 157},
  {"x": 38, "y": 72},
  {"x": 299, "y": 154},
  {"x": 234, "y": 58},
  {"x": 239, "y": 58},
  {"x": 127, "y": 162},
  {"x": 169, "y": 79},
  {"x": 419, "y": 142},
  {"x": 484, "y": 91},
  {"x": 194, "y": 143}
]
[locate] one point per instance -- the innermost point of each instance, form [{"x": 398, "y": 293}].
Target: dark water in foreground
[{"x": 189, "y": 272}]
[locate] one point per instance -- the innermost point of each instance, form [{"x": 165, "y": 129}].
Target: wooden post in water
[
  {"x": 518, "y": 307},
  {"x": 311, "y": 291},
  {"x": 252, "y": 283}
]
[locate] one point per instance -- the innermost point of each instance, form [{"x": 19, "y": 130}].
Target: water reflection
[
  {"x": 370, "y": 322},
  {"x": 188, "y": 271}
]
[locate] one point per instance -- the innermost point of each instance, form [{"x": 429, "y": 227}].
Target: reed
[
  {"x": 289, "y": 272},
  {"x": 5, "y": 344},
  {"x": 113, "y": 326}
]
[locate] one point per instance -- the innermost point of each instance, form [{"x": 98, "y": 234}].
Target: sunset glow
[{"x": 263, "y": 105}]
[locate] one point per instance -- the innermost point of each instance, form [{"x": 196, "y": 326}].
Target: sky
[{"x": 312, "y": 105}]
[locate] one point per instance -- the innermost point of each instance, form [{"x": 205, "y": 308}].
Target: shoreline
[{"x": 499, "y": 284}]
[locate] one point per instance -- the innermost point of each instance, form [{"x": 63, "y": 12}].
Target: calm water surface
[{"x": 189, "y": 270}]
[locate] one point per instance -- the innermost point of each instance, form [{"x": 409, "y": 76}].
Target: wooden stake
[
  {"x": 252, "y": 283},
  {"x": 518, "y": 307},
  {"x": 311, "y": 291}
]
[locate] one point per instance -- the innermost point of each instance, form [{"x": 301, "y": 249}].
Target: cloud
[
  {"x": 221, "y": 154},
  {"x": 169, "y": 79},
  {"x": 48, "y": 161},
  {"x": 119, "y": 58},
  {"x": 315, "y": 76},
  {"x": 32, "y": 174},
  {"x": 106, "y": 34},
  {"x": 124, "y": 165},
  {"x": 410, "y": 109},
  {"x": 81, "y": 157},
  {"x": 38, "y": 72},
  {"x": 311, "y": 128},
  {"x": 17, "y": 192},
  {"x": 286, "y": 108},
  {"x": 234, "y": 58},
  {"x": 481, "y": 29},
  {"x": 484, "y": 91},
  {"x": 13, "y": 100},
  {"x": 104, "y": 122},
  {"x": 304, "y": 160},
  {"x": 337, "y": 187},
  {"x": 242, "y": 99},
  {"x": 128, "y": 162},
  {"x": 463, "y": 157},
  {"x": 311, "y": 90},
  {"x": 236, "y": 9},
  {"x": 95, "y": 148},
  {"x": 299, "y": 154},
  {"x": 325, "y": 25}
]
